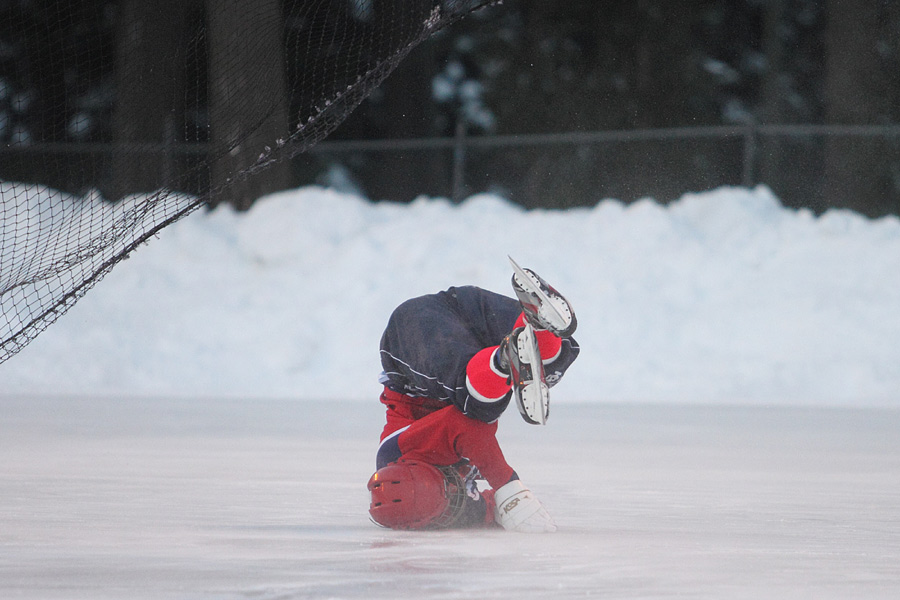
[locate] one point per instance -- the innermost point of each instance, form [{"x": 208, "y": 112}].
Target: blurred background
[{"x": 550, "y": 104}]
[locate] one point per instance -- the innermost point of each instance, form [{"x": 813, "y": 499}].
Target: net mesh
[{"x": 120, "y": 117}]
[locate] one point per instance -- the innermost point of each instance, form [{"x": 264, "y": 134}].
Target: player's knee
[{"x": 483, "y": 414}]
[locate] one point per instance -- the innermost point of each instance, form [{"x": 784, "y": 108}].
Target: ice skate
[
  {"x": 544, "y": 307},
  {"x": 518, "y": 355}
]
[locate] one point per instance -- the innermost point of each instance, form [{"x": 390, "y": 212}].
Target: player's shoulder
[
  {"x": 491, "y": 310},
  {"x": 468, "y": 303},
  {"x": 473, "y": 293}
]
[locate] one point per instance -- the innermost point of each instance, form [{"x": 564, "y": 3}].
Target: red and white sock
[
  {"x": 487, "y": 383},
  {"x": 483, "y": 379},
  {"x": 549, "y": 345}
]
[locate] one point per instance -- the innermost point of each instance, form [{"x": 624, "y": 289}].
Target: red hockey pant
[{"x": 444, "y": 436}]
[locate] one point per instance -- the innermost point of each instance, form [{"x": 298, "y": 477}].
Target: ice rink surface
[{"x": 159, "y": 499}]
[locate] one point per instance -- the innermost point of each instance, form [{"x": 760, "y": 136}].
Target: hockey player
[{"x": 452, "y": 361}]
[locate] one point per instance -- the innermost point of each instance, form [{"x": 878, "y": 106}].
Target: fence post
[
  {"x": 749, "y": 170},
  {"x": 168, "y": 150},
  {"x": 459, "y": 160}
]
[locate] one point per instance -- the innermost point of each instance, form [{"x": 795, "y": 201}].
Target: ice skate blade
[{"x": 544, "y": 306}]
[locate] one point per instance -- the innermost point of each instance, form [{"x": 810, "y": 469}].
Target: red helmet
[{"x": 408, "y": 494}]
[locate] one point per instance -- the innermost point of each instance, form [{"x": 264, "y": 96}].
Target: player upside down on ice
[{"x": 452, "y": 362}]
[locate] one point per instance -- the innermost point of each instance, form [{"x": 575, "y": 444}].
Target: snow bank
[{"x": 720, "y": 297}]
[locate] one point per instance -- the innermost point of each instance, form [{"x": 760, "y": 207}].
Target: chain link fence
[{"x": 812, "y": 166}]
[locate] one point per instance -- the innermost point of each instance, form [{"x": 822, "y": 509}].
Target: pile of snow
[{"x": 720, "y": 297}]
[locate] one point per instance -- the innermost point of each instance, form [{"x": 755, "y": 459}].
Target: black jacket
[{"x": 429, "y": 340}]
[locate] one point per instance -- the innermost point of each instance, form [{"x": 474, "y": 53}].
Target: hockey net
[{"x": 177, "y": 105}]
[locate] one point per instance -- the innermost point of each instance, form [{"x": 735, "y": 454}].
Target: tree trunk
[
  {"x": 407, "y": 112},
  {"x": 149, "y": 88},
  {"x": 855, "y": 95},
  {"x": 247, "y": 98},
  {"x": 775, "y": 91}
]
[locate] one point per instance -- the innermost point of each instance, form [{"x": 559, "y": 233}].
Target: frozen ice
[{"x": 156, "y": 499}]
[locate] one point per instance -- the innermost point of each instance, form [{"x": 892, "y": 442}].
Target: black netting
[{"x": 127, "y": 115}]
